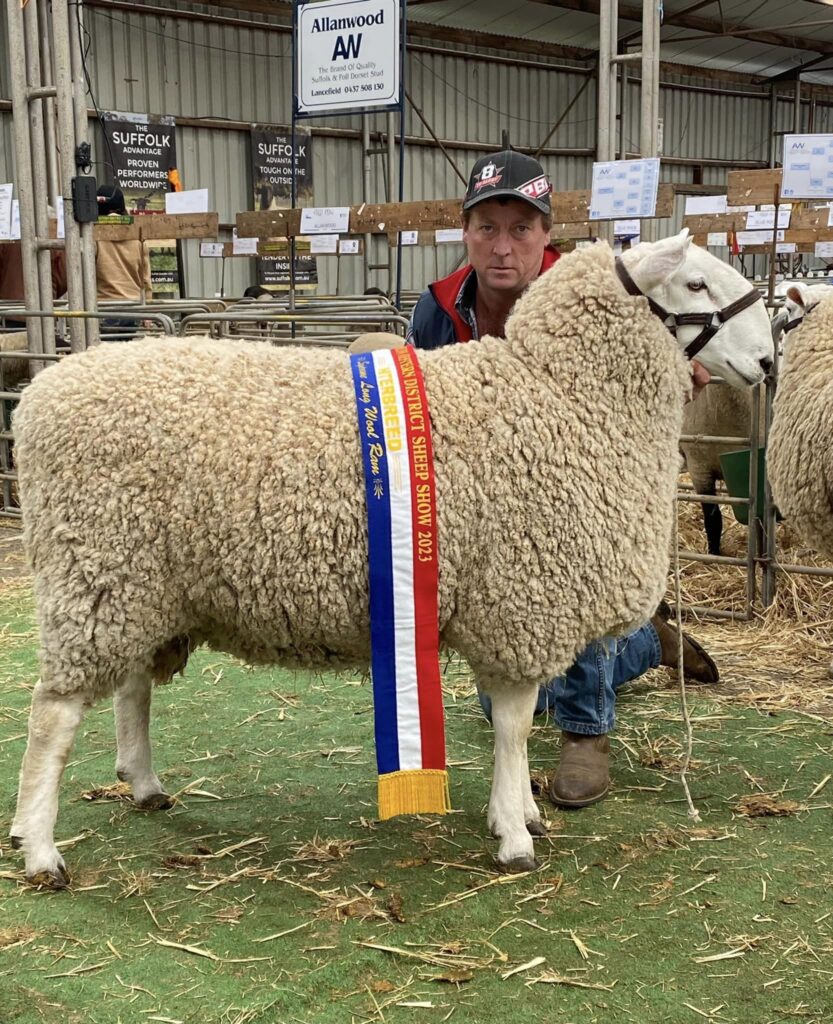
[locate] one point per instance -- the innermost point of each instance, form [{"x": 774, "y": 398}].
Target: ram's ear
[
  {"x": 797, "y": 295},
  {"x": 660, "y": 261}
]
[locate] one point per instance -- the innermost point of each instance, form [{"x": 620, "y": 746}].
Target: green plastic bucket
[{"x": 735, "y": 466}]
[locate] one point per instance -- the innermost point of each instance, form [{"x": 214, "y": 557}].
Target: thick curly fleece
[
  {"x": 213, "y": 490},
  {"x": 799, "y": 452}
]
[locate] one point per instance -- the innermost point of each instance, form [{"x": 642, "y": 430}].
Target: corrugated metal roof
[{"x": 802, "y": 19}]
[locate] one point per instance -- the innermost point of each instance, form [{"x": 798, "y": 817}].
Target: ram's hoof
[
  {"x": 517, "y": 865},
  {"x": 536, "y": 828},
  {"x": 156, "y": 802},
  {"x": 57, "y": 879},
  {"x": 16, "y": 841}
]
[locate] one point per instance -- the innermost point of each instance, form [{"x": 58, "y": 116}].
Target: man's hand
[{"x": 700, "y": 377}]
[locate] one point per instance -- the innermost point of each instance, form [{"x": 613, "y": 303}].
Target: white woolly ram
[{"x": 212, "y": 492}]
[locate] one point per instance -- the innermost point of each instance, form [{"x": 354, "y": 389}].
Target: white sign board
[
  {"x": 624, "y": 188},
  {"x": 324, "y": 220},
  {"x": 15, "y": 229},
  {"x": 409, "y": 237},
  {"x": 211, "y": 250},
  {"x": 347, "y": 56},
  {"x": 785, "y": 247},
  {"x": 348, "y": 246},
  {"x": 808, "y": 167},
  {"x": 194, "y": 200},
  {"x": 6, "y": 209},
  {"x": 717, "y": 238},
  {"x": 824, "y": 249},
  {"x": 61, "y": 229}
]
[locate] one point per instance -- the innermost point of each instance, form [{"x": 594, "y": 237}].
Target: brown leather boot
[
  {"x": 698, "y": 666},
  {"x": 583, "y": 776}
]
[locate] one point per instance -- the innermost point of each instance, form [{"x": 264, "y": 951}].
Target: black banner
[
  {"x": 143, "y": 149},
  {"x": 272, "y": 160}
]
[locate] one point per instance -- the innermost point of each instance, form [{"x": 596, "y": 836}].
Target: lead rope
[{"x": 693, "y": 813}]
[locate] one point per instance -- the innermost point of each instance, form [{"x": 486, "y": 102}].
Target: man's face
[{"x": 505, "y": 242}]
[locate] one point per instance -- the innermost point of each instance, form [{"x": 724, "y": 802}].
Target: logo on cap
[
  {"x": 489, "y": 176},
  {"x": 536, "y": 187}
]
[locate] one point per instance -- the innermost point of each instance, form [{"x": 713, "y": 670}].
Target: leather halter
[
  {"x": 791, "y": 326},
  {"x": 710, "y": 322}
]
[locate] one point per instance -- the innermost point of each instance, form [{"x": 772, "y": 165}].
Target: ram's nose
[{"x": 766, "y": 364}]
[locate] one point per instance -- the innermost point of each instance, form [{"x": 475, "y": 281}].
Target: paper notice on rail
[
  {"x": 348, "y": 246},
  {"x": 448, "y": 235},
  {"x": 823, "y": 249},
  {"x": 717, "y": 238},
  {"x": 763, "y": 220},
  {"x": 758, "y": 237},
  {"x": 59, "y": 210},
  {"x": 696, "y": 206},
  {"x": 193, "y": 200},
  {"x": 627, "y": 229},
  {"x": 320, "y": 244},
  {"x": 6, "y": 210},
  {"x": 242, "y": 246},
  {"x": 785, "y": 247},
  {"x": 325, "y": 220},
  {"x": 212, "y": 250},
  {"x": 15, "y": 228},
  {"x": 409, "y": 237},
  {"x": 624, "y": 188}
]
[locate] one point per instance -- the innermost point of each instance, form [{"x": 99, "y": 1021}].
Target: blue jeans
[{"x": 583, "y": 700}]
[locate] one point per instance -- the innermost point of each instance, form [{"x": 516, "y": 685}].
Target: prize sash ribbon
[{"x": 395, "y": 434}]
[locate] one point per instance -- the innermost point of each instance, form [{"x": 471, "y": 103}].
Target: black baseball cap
[{"x": 510, "y": 174}]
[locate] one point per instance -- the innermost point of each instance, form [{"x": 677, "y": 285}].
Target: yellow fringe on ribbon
[{"x": 414, "y": 792}]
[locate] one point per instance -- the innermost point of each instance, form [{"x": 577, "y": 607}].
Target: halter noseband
[{"x": 710, "y": 322}]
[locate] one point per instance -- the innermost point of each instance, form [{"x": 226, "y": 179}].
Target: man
[
  {"x": 507, "y": 218},
  {"x": 122, "y": 269}
]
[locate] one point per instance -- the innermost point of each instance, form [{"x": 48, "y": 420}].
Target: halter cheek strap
[
  {"x": 791, "y": 326},
  {"x": 710, "y": 322}
]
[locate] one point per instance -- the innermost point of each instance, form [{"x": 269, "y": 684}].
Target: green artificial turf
[{"x": 637, "y": 913}]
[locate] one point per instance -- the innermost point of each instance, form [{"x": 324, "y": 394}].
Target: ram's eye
[{"x": 696, "y": 286}]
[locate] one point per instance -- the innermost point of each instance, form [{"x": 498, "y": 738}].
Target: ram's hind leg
[
  {"x": 53, "y": 723},
  {"x": 511, "y": 804},
  {"x": 131, "y": 704}
]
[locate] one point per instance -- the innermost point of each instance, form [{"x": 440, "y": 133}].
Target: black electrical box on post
[{"x": 84, "y": 199}]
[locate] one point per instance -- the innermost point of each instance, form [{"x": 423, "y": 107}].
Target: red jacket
[{"x": 444, "y": 313}]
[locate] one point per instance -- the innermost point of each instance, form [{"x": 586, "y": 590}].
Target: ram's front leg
[{"x": 509, "y": 804}]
